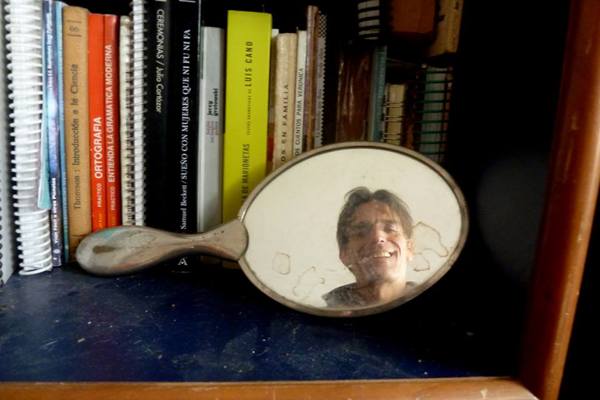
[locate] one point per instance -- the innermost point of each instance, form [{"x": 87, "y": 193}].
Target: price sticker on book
[{"x": 345, "y": 230}]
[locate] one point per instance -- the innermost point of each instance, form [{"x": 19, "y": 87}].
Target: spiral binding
[
  {"x": 432, "y": 111},
  {"x": 127, "y": 143},
  {"x": 7, "y": 263},
  {"x": 138, "y": 90},
  {"x": 369, "y": 21},
  {"x": 24, "y": 55}
]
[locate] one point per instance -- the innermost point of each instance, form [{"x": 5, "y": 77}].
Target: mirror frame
[{"x": 378, "y": 308}]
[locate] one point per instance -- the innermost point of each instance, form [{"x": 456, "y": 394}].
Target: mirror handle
[{"x": 126, "y": 249}]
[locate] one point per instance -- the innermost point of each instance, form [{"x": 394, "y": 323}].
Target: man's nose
[{"x": 378, "y": 234}]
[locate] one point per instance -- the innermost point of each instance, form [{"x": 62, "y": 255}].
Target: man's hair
[{"x": 361, "y": 195}]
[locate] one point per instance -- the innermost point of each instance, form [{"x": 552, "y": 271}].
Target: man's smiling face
[{"x": 377, "y": 250}]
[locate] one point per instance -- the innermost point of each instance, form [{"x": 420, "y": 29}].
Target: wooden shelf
[
  {"x": 535, "y": 366},
  {"x": 442, "y": 389}
]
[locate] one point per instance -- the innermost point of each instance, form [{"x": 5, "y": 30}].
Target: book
[
  {"x": 246, "y": 106},
  {"x": 412, "y": 19},
  {"x": 352, "y": 94},
  {"x": 405, "y": 20},
  {"x": 320, "y": 56},
  {"x": 76, "y": 112},
  {"x": 370, "y": 19},
  {"x": 310, "y": 76},
  {"x": 210, "y": 128},
  {"x": 111, "y": 121},
  {"x": 284, "y": 98},
  {"x": 138, "y": 10},
  {"x": 448, "y": 22},
  {"x": 51, "y": 128},
  {"x": 271, "y": 114},
  {"x": 179, "y": 200},
  {"x": 25, "y": 87},
  {"x": 97, "y": 123},
  {"x": 8, "y": 250},
  {"x": 126, "y": 121},
  {"x": 431, "y": 127},
  {"x": 393, "y": 110},
  {"x": 377, "y": 93},
  {"x": 58, "y": 15},
  {"x": 298, "y": 144},
  {"x": 158, "y": 73}
]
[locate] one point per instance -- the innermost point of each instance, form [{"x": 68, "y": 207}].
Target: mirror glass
[{"x": 357, "y": 230}]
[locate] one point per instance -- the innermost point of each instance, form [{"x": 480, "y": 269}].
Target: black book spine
[
  {"x": 158, "y": 75},
  {"x": 183, "y": 126}
]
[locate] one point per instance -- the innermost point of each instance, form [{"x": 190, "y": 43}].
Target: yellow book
[{"x": 246, "y": 106}]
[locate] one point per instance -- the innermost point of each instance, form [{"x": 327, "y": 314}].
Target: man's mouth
[
  {"x": 378, "y": 255},
  {"x": 382, "y": 254}
]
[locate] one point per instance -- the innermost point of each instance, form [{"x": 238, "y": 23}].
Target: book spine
[
  {"x": 43, "y": 184},
  {"x": 271, "y": 114},
  {"x": 377, "y": 94},
  {"x": 8, "y": 251},
  {"x": 299, "y": 102},
  {"x": 285, "y": 81},
  {"x": 449, "y": 16},
  {"x": 246, "y": 106},
  {"x": 320, "y": 55},
  {"x": 97, "y": 120},
  {"x": 394, "y": 114},
  {"x": 183, "y": 120},
  {"x": 58, "y": 14},
  {"x": 111, "y": 109},
  {"x": 24, "y": 66},
  {"x": 158, "y": 75},
  {"x": 52, "y": 131},
  {"x": 432, "y": 123},
  {"x": 312, "y": 13},
  {"x": 210, "y": 146},
  {"x": 77, "y": 140}
]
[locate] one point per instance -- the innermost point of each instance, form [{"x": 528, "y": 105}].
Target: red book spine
[
  {"x": 111, "y": 109},
  {"x": 97, "y": 120}
]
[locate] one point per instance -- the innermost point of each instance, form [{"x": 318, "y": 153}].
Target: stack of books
[{"x": 170, "y": 115}]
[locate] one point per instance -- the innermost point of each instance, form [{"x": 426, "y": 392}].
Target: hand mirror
[{"x": 345, "y": 230}]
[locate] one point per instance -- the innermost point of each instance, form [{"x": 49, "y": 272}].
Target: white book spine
[
  {"x": 210, "y": 144},
  {"x": 284, "y": 98},
  {"x": 24, "y": 54},
  {"x": 299, "y": 106}
]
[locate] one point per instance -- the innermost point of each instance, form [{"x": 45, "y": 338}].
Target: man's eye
[
  {"x": 392, "y": 227},
  {"x": 358, "y": 231}
]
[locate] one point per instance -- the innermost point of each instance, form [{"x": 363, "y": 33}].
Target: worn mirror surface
[{"x": 354, "y": 231}]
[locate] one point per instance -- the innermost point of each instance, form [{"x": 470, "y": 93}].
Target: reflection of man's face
[{"x": 377, "y": 250}]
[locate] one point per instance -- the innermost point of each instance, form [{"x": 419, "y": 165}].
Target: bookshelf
[{"x": 465, "y": 335}]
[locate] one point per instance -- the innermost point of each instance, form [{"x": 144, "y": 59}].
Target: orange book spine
[
  {"x": 97, "y": 120},
  {"x": 111, "y": 109}
]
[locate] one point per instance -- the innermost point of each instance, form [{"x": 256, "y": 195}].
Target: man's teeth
[{"x": 382, "y": 254}]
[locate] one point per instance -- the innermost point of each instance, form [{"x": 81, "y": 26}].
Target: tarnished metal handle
[{"x": 126, "y": 249}]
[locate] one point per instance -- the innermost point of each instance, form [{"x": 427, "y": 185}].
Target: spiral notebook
[
  {"x": 8, "y": 260},
  {"x": 138, "y": 191},
  {"x": 24, "y": 67},
  {"x": 126, "y": 121}
]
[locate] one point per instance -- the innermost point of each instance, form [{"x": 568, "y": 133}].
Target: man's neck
[{"x": 382, "y": 291}]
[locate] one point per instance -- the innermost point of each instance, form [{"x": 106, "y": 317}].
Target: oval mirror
[{"x": 345, "y": 230}]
